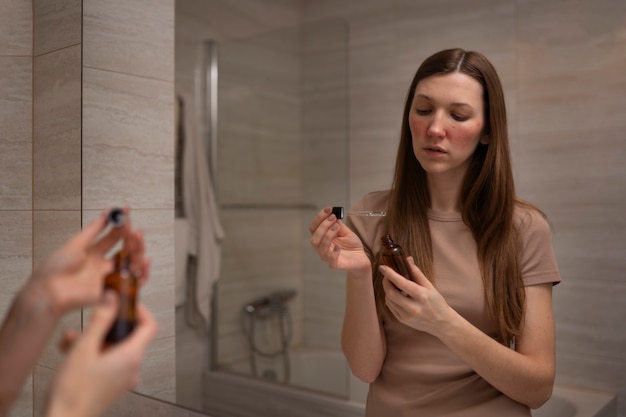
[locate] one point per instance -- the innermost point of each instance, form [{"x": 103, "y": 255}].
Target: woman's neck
[{"x": 445, "y": 193}]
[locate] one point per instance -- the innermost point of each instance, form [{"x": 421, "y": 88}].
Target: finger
[
  {"x": 327, "y": 245},
  {"x": 319, "y": 218},
  {"x": 418, "y": 275},
  {"x": 109, "y": 240},
  {"x": 144, "y": 272},
  {"x": 144, "y": 332},
  {"x": 135, "y": 245},
  {"x": 320, "y": 239},
  {"x": 102, "y": 318},
  {"x": 92, "y": 230},
  {"x": 400, "y": 282}
]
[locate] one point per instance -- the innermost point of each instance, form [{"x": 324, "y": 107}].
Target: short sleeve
[{"x": 538, "y": 262}]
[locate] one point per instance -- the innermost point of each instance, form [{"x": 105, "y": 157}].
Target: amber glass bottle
[
  {"x": 394, "y": 257},
  {"x": 124, "y": 283}
]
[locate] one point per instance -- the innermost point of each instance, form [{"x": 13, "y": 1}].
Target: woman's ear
[{"x": 484, "y": 139}]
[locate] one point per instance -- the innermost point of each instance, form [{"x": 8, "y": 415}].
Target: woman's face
[{"x": 446, "y": 122}]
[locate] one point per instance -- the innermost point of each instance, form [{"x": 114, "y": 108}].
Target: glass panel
[{"x": 282, "y": 155}]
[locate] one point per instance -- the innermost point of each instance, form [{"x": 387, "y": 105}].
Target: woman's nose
[{"x": 436, "y": 127}]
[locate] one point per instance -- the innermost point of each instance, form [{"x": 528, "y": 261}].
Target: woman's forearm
[
  {"x": 24, "y": 334},
  {"x": 526, "y": 378},
  {"x": 362, "y": 338}
]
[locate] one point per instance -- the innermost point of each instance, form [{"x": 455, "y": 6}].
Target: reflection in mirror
[{"x": 263, "y": 130}]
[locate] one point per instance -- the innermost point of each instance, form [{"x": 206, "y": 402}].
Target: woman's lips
[{"x": 434, "y": 151}]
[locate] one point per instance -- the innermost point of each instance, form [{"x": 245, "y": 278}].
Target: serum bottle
[
  {"x": 394, "y": 257},
  {"x": 124, "y": 283}
]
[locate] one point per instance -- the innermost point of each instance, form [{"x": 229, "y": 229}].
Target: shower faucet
[{"x": 276, "y": 301}]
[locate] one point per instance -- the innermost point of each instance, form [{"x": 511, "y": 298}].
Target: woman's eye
[
  {"x": 422, "y": 112},
  {"x": 459, "y": 118}
]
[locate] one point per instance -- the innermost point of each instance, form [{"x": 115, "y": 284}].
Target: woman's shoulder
[{"x": 529, "y": 219}]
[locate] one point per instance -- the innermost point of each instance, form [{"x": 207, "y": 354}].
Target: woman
[{"x": 473, "y": 334}]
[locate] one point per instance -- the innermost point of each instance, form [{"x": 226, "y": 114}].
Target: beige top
[{"x": 420, "y": 375}]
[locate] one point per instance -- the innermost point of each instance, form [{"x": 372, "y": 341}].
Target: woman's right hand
[
  {"x": 336, "y": 244},
  {"x": 91, "y": 379}
]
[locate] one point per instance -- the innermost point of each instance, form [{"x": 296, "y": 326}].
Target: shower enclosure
[{"x": 274, "y": 112}]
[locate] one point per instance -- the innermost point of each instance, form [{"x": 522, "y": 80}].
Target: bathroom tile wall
[
  {"x": 128, "y": 148},
  {"x": 40, "y": 158},
  {"x": 16, "y": 143},
  {"x": 324, "y": 154},
  {"x": 56, "y": 153},
  {"x": 259, "y": 136},
  {"x": 561, "y": 63},
  {"x": 571, "y": 95}
]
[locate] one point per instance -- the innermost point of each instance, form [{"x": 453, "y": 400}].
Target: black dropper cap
[
  {"x": 116, "y": 217},
  {"x": 338, "y": 212}
]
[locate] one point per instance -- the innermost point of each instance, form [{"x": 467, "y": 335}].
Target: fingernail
[
  {"x": 334, "y": 227},
  {"x": 327, "y": 209},
  {"x": 382, "y": 269},
  {"x": 332, "y": 218}
]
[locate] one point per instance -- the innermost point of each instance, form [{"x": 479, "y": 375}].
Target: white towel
[{"x": 205, "y": 230}]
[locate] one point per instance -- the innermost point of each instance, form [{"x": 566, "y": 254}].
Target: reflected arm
[
  {"x": 29, "y": 324},
  {"x": 363, "y": 338}
]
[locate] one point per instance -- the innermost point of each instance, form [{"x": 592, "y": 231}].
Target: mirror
[
  {"x": 262, "y": 145},
  {"x": 537, "y": 49}
]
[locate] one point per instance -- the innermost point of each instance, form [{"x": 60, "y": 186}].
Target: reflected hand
[
  {"x": 416, "y": 304},
  {"x": 336, "y": 244},
  {"x": 91, "y": 379}
]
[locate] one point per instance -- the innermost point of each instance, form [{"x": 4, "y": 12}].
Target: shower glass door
[{"x": 282, "y": 155}]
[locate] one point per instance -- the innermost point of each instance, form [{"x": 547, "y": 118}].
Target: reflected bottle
[
  {"x": 124, "y": 283},
  {"x": 393, "y": 256}
]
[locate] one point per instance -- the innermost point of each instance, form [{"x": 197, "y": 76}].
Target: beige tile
[
  {"x": 57, "y": 130},
  {"x": 16, "y": 28},
  {"x": 158, "y": 378},
  {"x": 134, "y": 404},
  {"x": 250, "y": 270},
  {"x": 325, "y": 114},
  {"x": 590, "y": 320},
  {"x": 241, "y": 18},
  {"x": 350, "y": 10},
  {"x": 16, "y": 137},
  {"x": 158, "y": 293},
  {"x": 130, "y": 37},
  {"x": 58, "y": 24},
  {"x": 593, "y": 372},
  {"x": 569, "y": 72},
  {"x": 23, "y": 407},
  {"x": 572, "y": 168},
  {"x": 52, "y": 229},
  {"x": 15, "y": 254},
  {"x": 265, "y": 143},
  {"x": 128, "y": 141}
]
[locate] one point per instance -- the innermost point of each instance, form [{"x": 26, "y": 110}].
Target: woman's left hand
[{"x": 416, "y": 304}]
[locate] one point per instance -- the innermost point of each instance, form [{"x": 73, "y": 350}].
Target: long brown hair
[{"x": 487, "y": 196}]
